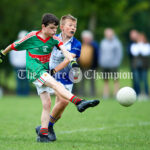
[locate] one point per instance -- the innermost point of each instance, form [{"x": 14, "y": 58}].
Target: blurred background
[{"x": 96, "y": 16}]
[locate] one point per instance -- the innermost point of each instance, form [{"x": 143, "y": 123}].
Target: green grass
[{"x": 108, "y": 126}]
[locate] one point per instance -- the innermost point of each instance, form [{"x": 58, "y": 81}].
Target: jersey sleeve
[
  {"x": 76, "y": 48},
  {"x": 58, "y": 42},
  {"x": 23, "y": 43}
]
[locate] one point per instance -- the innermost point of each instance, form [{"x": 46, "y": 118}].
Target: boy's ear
[{"x": 43, "y": 26}]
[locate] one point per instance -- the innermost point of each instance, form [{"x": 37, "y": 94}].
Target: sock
[
  {"x": 52, "y": 123},
  {"x": 75, "y": 99},
  {"x": 44, "y": 131}
]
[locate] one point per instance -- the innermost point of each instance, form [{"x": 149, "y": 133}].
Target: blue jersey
[{"x": 73, "y": 46}]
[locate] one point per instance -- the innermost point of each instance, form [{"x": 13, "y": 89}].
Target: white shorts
[
  {"x": 69, "y": 87},
  {"x": 39, "y": 83}
]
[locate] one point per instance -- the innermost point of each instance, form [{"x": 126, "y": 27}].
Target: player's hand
[
  {"x": 52, "y": 72},
  {"x": 74, "y": 64},
  {"x": 2, "y": 57}
]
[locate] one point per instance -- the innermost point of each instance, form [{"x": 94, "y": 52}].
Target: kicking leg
[{"x": 60, "y": 91}]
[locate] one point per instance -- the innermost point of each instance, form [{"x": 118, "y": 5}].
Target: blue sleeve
[{"x": 76, "y": 48}]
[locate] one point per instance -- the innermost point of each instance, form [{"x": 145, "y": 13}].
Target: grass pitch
[{"x": 108, "y": 126}]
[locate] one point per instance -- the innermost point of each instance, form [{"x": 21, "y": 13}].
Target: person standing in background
[
  {"x": 88, "y": 60},
  {"x": 133, "y": 35},
  {"x": 110, "y": 59},
  {"x": 18, "y": 61},
  {"x": 140, "y": 63}
]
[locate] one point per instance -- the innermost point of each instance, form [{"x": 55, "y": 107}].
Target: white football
[{"x": 126, "y": 96}]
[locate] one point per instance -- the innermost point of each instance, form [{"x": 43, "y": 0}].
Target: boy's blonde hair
[{"x": 63, "y": 18}]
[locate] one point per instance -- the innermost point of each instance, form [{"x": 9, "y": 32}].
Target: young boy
[
  {"x": 38, "y": 45},
  {"x": 68, "y": 25}
]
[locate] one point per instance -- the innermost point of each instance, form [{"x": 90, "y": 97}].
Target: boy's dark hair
[{"x": 50, "y": 19}]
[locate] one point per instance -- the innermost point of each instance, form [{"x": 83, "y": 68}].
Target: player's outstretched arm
[{"x": 7, "y": 50}]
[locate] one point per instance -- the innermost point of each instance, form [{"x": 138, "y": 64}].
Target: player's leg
[
  {"x": 59, "y": 107},
  {"x": 63, "y": 93},
  {"x": 46, "y": 104},
  {"x": 60, "y": 91},
  {"x": 43, "y": 92}
]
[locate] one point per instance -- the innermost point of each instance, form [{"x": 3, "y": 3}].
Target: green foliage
[{"x": 92, "y": 14}]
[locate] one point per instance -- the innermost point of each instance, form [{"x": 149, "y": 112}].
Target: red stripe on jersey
[
  {"x": 41, "y": 58},
  {"x": 43, "y": 40},
  {"x": 13, "y": 46},
  {"x": 23, "y": 39},
  {"x": 61, "y": 43},
  {"x": 26, "y": 37}
]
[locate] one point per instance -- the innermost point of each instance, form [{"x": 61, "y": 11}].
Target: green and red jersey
[{"x": 38, "y": 52}]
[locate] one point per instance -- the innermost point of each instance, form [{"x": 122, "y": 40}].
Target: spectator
[
  {"x": 18, "y": 61},
  {"x": 88, "y": 59},
  {"x": 140, "y": 63},
  {"x": 110, "y": 59},
  {"x": 133, "y": 35},
  {"x": 133, "y": 39}
]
